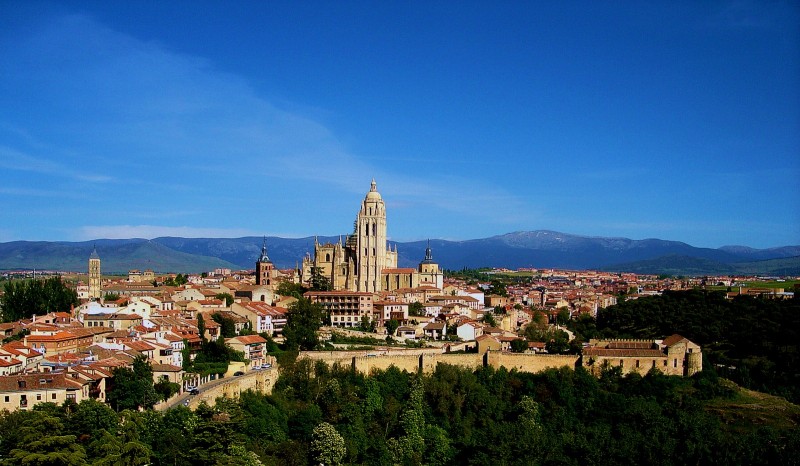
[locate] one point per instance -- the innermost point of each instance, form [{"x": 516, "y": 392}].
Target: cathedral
[{"x": 363, "y": 261}]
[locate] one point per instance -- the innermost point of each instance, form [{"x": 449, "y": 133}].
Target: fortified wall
[
  {"x": 426, "y": 361},
  {"x": 258, "y": 381}
]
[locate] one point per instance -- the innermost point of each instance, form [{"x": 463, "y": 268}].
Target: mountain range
[{"x": 535, "y": 249}]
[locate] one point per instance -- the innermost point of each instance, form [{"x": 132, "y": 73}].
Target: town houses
[{"x": 70, "y": 355}]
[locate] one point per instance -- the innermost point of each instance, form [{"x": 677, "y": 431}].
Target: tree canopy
[
  {"x": 26, "y": 298},
  {"x": 303, "y": 319}
]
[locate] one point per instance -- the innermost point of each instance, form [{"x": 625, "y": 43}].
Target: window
[
  {"x": 38, "y": 397},
  {"x": 7, "y": 399},
  {"x": 373, "y": 229},
  {"x": 621, "y": 363},
  {"x": 637, "y": 363},
  {"x": 675, "y": 362},
  {"x": 53, "y": 396}
]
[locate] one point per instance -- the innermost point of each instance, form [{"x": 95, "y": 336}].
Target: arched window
[
  {"x": 327, "y": 257},
  {"x": 373, "y": 229}
]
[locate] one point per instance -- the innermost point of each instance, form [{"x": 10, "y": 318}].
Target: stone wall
[
  {"x": 524, "y": 362},
  {"x": 259, "y": 381}
]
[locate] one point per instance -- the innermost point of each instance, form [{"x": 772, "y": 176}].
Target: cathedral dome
[{"x": 373, "y": 194}]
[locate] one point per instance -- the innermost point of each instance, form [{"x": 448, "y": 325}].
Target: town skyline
[{"x": 670, "y": 122}]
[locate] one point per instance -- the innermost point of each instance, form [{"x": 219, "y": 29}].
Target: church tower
[
  {"x": 429, "y": 273},
  {"x": 371, "y": 254},
  {"x": 94, "y": 275},
  {"x": 264, "y": 268}
]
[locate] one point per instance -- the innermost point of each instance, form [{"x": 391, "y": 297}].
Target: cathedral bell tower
[{"x": 371, "y": 250}]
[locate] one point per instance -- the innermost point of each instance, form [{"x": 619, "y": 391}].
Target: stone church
[{"x": 363, "y": 261}]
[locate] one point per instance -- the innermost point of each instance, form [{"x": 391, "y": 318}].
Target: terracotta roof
[
  {"x": 166, "y": 368},
  {"x": 672, "y": 339},
  {"x": 249, "y": 339},
  {"x": 398, "y": 270}
]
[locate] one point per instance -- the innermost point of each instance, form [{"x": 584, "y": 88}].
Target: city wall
[
  {"x": 258, "y": 381},
  {"x": 531, "y": 362},
  {"x": 426, "y": 361}
]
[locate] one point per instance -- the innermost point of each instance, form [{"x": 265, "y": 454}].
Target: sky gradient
[{"x": 671, "y": 120}]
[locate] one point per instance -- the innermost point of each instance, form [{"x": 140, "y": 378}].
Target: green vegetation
[
  {"x": 753, "y": 341},
  {"x": 303, "y": 320},
  {"x": 24, "y": 299},
  {"x": 450, "y": 417},
  {"x": 178, "y": 280},
  {"x": 287, "y": 288},
  {"x": 225, "y": 297},
  {"x": 132, "y": 388},
  {"x": 213, "y": 358}
]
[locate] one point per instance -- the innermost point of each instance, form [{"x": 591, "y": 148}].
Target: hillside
[
  {"x": 118, "y": 256},
  {"x": 536, "y": 249}
]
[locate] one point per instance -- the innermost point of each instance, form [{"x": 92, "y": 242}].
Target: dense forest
[
  {"x": 754, "y": 341},
  {"x": 319, "y": 414},
  {"x": 331, "y": 415}
]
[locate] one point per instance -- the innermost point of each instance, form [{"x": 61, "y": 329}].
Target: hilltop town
[{"x": 413, "y": 318}]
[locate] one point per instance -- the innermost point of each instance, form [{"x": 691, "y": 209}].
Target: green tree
[
  {"x": 318, "y": 281},
  {"x": 416, "y": 309},
  {"x": 40, "y": 440},
  {"x": 132, "y": 388},
  {"x": 519, "y": 345},
  {"x": 367, "y": 324},
  {"x": 225, "y": 297},
  {"x": 24, "y": 299},
  {"x": 303, "y": 319},
  {"x": 563, "y": 316},
  {"x": 391, "y": 326},
  {"x": 201, "y": 326},
  {"x": 327, "y": 445},
  {"x": 227, "y": 325},
  {"x": 488, "y": 319},
  {"x": 497, "y": 287},
  {"x": 287, "y": 288}
]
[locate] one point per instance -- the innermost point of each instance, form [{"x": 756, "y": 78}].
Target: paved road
[{"x": 207, "y": 386}]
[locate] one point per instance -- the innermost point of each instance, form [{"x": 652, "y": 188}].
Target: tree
[
  {"x": 303, "y": 320},
  {"x": 519, "y": 345},
  {"x": 563, "y": 316},
  {"x": 327, "y": 445},
  {"x": 287, "y": 288},
  {"x": 40, "y": 440},
  {"x": 225, "y": 297},
  {"x": 391, "y": 326},
  {"x": 497, "y": 287},
  {"x": 24, "y": 299},
  {"x": 132, "y": 388},
  {"x": 227, "y": 325},
  {"x": 367, "y": 324},
  {"x": 318, "y": 281},
  {"x": 201, "y": 326},
  {"x": 416, "y": 309},
  {"x": 488, "y": 319}
]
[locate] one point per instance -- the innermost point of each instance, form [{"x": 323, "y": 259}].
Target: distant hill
[
  {"x": 537, "y": 249},
  {"x": 118, "y": 256}
]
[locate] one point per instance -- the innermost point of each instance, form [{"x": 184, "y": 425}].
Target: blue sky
[{"x": 672, "y": 120}]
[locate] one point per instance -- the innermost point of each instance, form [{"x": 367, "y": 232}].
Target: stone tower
[
  {"x": 371, "y": 254},
  {"x": 264, "y": 268},
  {"x": 429, "y": 273},
  {"x": 94, "y": 275}
]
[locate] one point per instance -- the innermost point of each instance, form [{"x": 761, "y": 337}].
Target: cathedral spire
[{"x": 373, "y": 187}]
